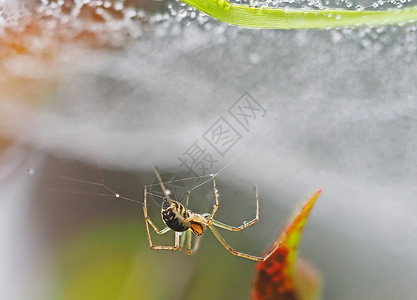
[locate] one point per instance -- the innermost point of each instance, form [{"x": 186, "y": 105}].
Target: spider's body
[
  {"x": 184, "y": 222},
  {"x": 174, "y": 214},
  {"x": 180, "y": 219}
]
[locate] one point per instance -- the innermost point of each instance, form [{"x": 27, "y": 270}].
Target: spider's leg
[
  {"x": 187, "y": 197},
  {"x": 196, "y": 243},
  {"x": 228, "y": 248},
  {"x": 163, "y": 187},
  {"x": 216, "y": 194},
  {"x": 189, "y": 238},
  {"x": 165, "y": 230},
  {"x": 176, "y": 247},
  {"x": 245, "y": 223},
  {"x": 240, "y": 254},
  {"x": 183, "y": 237},
  {"x": 148, "y": 221}
]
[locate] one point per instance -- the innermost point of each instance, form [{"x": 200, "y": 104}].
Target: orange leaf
[{"x": 283, "y": 276}]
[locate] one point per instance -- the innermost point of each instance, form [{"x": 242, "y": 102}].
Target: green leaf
[{"x": 286, "y": 18}]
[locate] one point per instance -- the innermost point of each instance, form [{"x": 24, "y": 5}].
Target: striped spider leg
[{"x": 184, "y": 223}]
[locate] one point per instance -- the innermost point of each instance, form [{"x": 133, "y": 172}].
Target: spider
[{"x": 185, "y": 223}]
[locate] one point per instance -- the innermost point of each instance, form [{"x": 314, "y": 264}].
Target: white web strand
[
  {"x": 80, "y": 192},
  {"x": 111, "y": 194},
  {"x": 114, "y": 194},
  {"x": 231, "y": 161}
]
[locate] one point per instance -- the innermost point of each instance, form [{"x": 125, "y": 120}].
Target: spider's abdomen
[{"x": 173, "y": 213}]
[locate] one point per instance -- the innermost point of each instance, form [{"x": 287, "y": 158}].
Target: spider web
[
  {"x": 176, "y": 185},
  {"x": 174, "y": 182}
]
